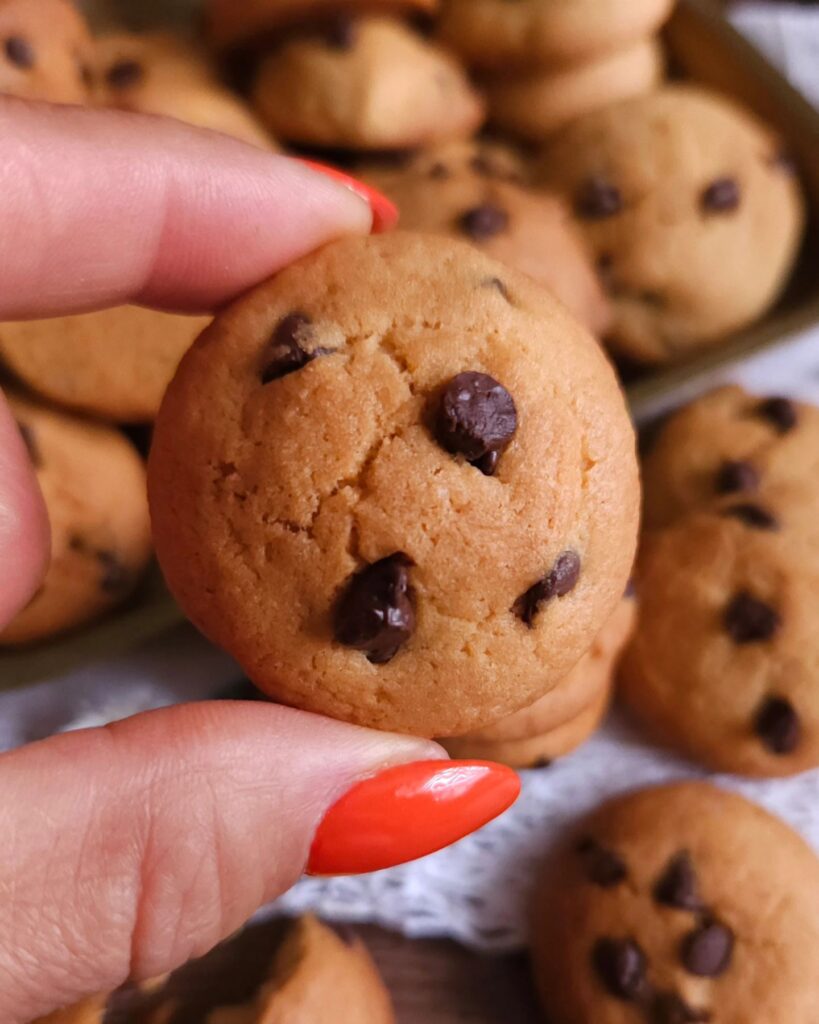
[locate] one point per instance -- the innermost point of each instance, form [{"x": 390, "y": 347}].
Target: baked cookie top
[{"x": 45, "y": 49}]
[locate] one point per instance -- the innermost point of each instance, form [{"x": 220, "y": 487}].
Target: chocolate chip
[
  {"x": 677, "y": 886},
  {"x": 782, "y": 160},
  {"x": 598, "y": 199},
  {"x": 669, "y": 1008},
  {"x": 125, "y": 74},
  {"x": 778, "y": 726},
  {"x": 707, "y": 951},
  {"x": 499, "y": 286},
  {"x": 115, "y": 577},
  {"x": 20, "y": 52},
  {"x": 30, "y": 441},
  {"x": 476, "y": 416},
  {"x": 439, "y": 172},
  {"x": 488, "y": 464},
  {"x": 736, "y": 476},
  {"x": 543, "y": 762},
  {"x": 484, "y": 222},
  {"x": 286, "y": 354},
  {"x": 781, "y": 412},
  {"x": 375, "y": 612},
  {"x": 749, "y": 620},
  {"x": 751, "y": 515},
  {"x": 341, "y": 32},
  {"x": 721, "y": 196},
  {"x": 560, "y": 581},
  {"x": 602, "y": 866},
  {"x": 621, "y": 966}
]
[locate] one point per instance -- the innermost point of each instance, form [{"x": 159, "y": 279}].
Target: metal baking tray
[{"x": 703, "y": 47}]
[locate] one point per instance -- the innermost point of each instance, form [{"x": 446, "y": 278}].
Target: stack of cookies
[{"x": 543, "y": 64}]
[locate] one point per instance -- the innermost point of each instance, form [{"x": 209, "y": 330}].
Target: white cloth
[{"x": 477, "y": 891}]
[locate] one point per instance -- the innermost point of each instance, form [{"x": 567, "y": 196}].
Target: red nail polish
[
  {"x": 409, "y": 811},
  {"x": 385, "y": 213}
]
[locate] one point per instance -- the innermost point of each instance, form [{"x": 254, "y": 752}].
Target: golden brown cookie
[
  {"x": 231, "y": 23},
  {"x": 535, "y": 103},
  {"x": 375, "y": 85},
  {"x": 441, "y": 193},
  {"x": 693, "y": 214},
  {"x": 729, "y": 447},
  {"x": 158, "y": 73},
  {"x": 317, "y": 976},
  {"x": 504, "y": 36},
  {"x": 114, "y": 364},
  {"x": 93, "y": 483},
  {"x": 89, "y": 1011},
  {"x": 395, "y": 463},
  {"x": 44, "y": 50},
  {"x": 679, "y": 904}
]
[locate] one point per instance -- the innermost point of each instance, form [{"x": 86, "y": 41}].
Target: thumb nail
[{"x": 385, "y": 212}]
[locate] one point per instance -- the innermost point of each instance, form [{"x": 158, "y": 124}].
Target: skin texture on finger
[
  {"x": 104, "y": 207},
  {"x": 24, "y": 533},
  {"x": 131, "y": 849}
]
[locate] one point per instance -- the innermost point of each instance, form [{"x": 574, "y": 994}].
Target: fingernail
[
  {"x": 385, "y": 213},
  {"x": 409, "y": 811}
]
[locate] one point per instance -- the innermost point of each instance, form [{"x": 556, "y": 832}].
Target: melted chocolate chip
[
  {"x": 286, "y": 354},
  {"x": 778, "y": 726},
  {"x": 125, "y": 74},
  {"x": 476, "y": 417},
  {"x": 752, "y": 515},
  {"x": 721, "y": 196},
  {"x": 560, "y": 581},
  {"x": 375, "y": 612},
  {"x": 677, "y": 886},
  {"x": 707, "y": 951},
  {"x": 341, "y": 33},
  {"x": 30, "y": 441},
  {"x": 488, "y": 464},
  {"x": 19, "y": 52},
  {"x": 669, "y": 1008},
  {"x": 749, "y": 620},
  {"x": 115, "y": 576},
  {"x": 781, "y": 412},
  {"x": 736, "y": 476},
  {"x": 598, "y": 199},
  {"x": 484, "y": 222},
  {"x": 602, "y": 866},
  {"x": 621, "y": 967}
]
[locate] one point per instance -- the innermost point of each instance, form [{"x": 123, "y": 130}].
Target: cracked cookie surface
[{"x": 293, "y": 517}]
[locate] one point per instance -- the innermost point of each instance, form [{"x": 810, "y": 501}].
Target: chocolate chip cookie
[
  {"x": 504, "y": 36},
  {"x": 535, "y": 103},
  {"x": 44, "y": 51},
  {"x": 730, "y": 448},
  {"x": 114, "y": 364},
  {"x": 530, "y": 231},
  {"x": 398, "y": 483},
  {"x": 692, "y": 210},
  {"x": 679, "y": 904},
  {"x": 158, "y": 73},
  {"x": 376, "y": 85},
  {"x": 93, "y": 483}
]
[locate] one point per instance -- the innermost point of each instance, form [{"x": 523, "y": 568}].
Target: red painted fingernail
[
  {"x": 409, "y": 811},
  {"x": 385, "y": 213}
]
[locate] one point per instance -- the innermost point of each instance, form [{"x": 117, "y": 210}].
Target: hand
[{"x": 125, "y": 851}]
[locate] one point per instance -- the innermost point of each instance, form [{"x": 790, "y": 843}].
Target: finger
[
  {"x": 24, "y": 533},
  {"x": 131, "y": 849},
  {"x": 102, "y": 207}
]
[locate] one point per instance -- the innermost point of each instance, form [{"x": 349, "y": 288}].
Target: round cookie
[
  {"x": 114, "y": 364},
  {"x": 93, "y": 484},
  {"x": 693, "y": 214},
  {"x": 397, "y": 463},
  {"x": 726, "y": 447},
  {"x": 373, "y": 84},
  {"x": 233, "y": 23},
  {"x": 536, "y": 103},
  {"x": 158, "y": 73},
  {"x": 540, "y": 749},
  {"x": 527, "y": 230},
  {"x": 723, "y": 663},
  {"x": 679, "y": 904},
  {"x": 44, "y": 51},
  {"x": 501, "y": 36},
  {"x": 591, "y": 677}
]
